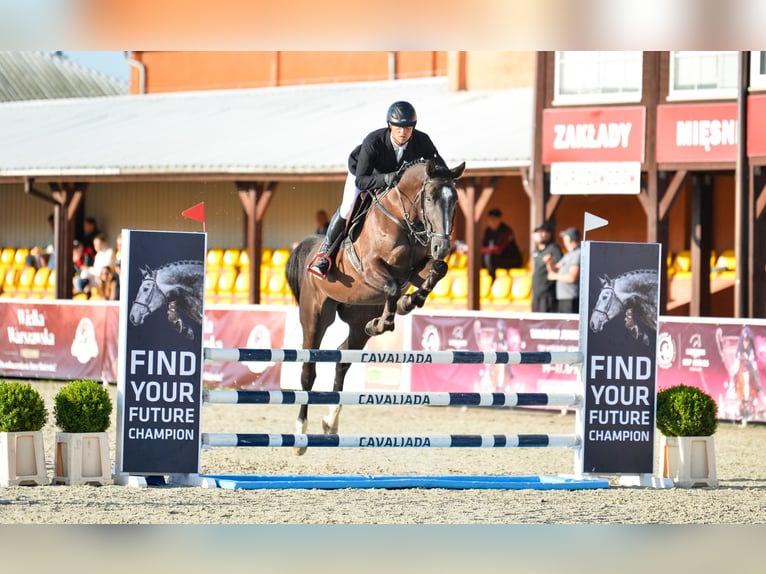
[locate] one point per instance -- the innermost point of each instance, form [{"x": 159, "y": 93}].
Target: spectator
[
  {"x": 108, "y": 284},
  {"x": 543, "y": 289},
  {"x": 104, "y": 256},
  {"x": 323, "y": 222},
  {"x": 89, "y": 231},
  {"x": 498, "y": 247},
  {"x": 566, "y": 272},
  {"x": 82, "y": 260}
]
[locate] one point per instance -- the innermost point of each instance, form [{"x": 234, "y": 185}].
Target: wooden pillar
[
  {"x": 255, "y": 198},
  {"x": 742, "y": 205},
  {"x": 757, "y": 186},
  {"x": 472, "y": 204},
  {"x": 702, "y": 221}
]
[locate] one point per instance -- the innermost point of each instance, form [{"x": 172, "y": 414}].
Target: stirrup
[{"x": 315, "y": 261}]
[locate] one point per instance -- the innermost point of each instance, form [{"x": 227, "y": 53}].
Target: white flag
[{"x": 592, "y": 222}]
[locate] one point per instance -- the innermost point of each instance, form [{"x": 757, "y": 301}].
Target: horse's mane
[
  {"x": 637, "y": 272},
  {"x": 181, "y": 262},
  {"x": 439, "y": 170}
]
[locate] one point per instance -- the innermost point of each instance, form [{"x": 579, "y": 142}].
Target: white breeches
[{"x": 350, "y": 193}]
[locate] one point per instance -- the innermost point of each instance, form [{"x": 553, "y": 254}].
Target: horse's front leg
[
  {"x": 434, "y": 272},
  {"x": 378, "y": 276}
]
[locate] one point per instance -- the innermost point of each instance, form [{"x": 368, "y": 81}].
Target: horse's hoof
[
  {"x": 299, "y": 451},
  {"x": 370, "y": 329},
  {"x": 327, "y": 429}
]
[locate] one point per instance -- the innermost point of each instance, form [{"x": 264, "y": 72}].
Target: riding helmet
[{"x": 402, "y": 114}]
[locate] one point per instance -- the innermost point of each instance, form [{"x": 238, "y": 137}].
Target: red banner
[
  {"x": 756, "y": 119},
  {"x": 696, "y": 133},
  {"x": 51, "y": 340},
  {"x": 248, "y": 327},
  {"x": 487, "y": 333},
  {"x": 593, "y": 134}
]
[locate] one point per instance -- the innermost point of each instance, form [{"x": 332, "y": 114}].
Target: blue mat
[{"x": 258, "y": 482}]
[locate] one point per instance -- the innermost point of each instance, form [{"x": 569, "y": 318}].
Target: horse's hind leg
[
  {"x": 357, "y": 339},
  {"x": 315, "y": 320}
]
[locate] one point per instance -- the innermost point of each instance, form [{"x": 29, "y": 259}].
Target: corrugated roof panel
[
  {"x": 28, "y": 75},
  {"x": 301, "y": 129}
]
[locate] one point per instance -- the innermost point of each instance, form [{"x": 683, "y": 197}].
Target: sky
[{"x": 108, "y": 62}]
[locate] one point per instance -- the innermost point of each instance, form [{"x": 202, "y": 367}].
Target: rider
[{"x": 374, "y": 164}]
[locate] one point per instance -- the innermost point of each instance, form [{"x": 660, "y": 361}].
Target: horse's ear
[
  {"x": 604, "y": 280},
  {"x": 430, "y": 168},
  {"x": 145, "y": 270},
  {"x": 458, "y": 171}
]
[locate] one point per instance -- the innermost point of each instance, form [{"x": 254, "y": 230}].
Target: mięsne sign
[
  {"x": 618, "y": 322},
  {"x": 160, "y": 352}
]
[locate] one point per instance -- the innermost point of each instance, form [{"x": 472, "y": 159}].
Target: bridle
[
  {"x": 153, "y": 279},
  {"x": 612, "y": 297},
  {"x": 423, "y": 235}
]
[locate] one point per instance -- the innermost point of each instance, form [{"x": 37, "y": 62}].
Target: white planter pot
[
  {"x": 22, "y": 459},
  {"x": 82, "y": 458},
  {"x": 688, "y": 460}
]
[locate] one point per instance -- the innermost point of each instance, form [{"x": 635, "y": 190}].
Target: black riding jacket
[{"x": 375, "y": 157}]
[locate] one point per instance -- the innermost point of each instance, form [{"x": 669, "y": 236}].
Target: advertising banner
[
  {"x": 696, "y": 133},
  {"x": 620, "y": 296},
  {"x": 531, "y": 333},
  {"x": 614, "y": 133},
  {"x": 160, "y": 366},
  {"x": 756, "y": 119},
  {"x": 724, "y": 358},
  {"x": 55, "y": 339},
  {"x": 254, "y": 327}
]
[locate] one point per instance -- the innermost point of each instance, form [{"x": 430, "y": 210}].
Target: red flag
[{"x": 196, "y": 212}]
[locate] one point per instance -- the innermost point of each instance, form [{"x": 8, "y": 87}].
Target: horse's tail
[{"x": 297, "y": 263}]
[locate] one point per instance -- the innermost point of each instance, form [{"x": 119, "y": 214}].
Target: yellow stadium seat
[
  {"x": 9, "y": 279},
  {"x": 231, "y": 257},
  {"x": 244, "y": 258},
  {"x": 6, "y": 256},
  {"x": 40, "y": 281},
  {"x": 266, "y": 254},
  {"x": 211, "y": 281},
  {"x": 26, "y": 278},
  {"x": 501, "y": 288},
  {"x": 442, "y": 293},
  {"x": 727, "y": 261},
  {"x": 20, "y": 257},
  {"x": 242, "y": 287},
  {"x": 485, "y": 284},
  {"x": 226, "y": 281},
  {"x": 279, "y": 257},
  {"x": 459, "y": 289},
  {"x": 214, "y": 258},
  {"x": 521, "y": 288},
  {"x": 518, "y": 272},
  {"x": 683, "y": 261}
]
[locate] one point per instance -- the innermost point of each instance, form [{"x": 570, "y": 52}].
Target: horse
[
  {"x": 402, "y": 241},
  {"x": 635, "y": 294},
  {"x": 179, "y": 285}
]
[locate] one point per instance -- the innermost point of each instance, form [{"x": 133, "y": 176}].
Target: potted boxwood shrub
[
  {"x": 22, "y": 417},
  {"x": 83, "y": 411},
  {"x": 687, "y": 417}
]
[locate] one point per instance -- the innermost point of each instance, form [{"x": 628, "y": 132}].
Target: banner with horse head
[
  {"x": 619, "y": 291},
  {"x": 160, "y": 364}
]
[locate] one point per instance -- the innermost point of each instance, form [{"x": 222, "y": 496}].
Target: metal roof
[
  {"x": 271, "y": 131},
  {"x": 44, "y": 76}
]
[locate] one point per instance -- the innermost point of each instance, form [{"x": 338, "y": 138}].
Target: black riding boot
[{"x": 320, "y": 265}]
